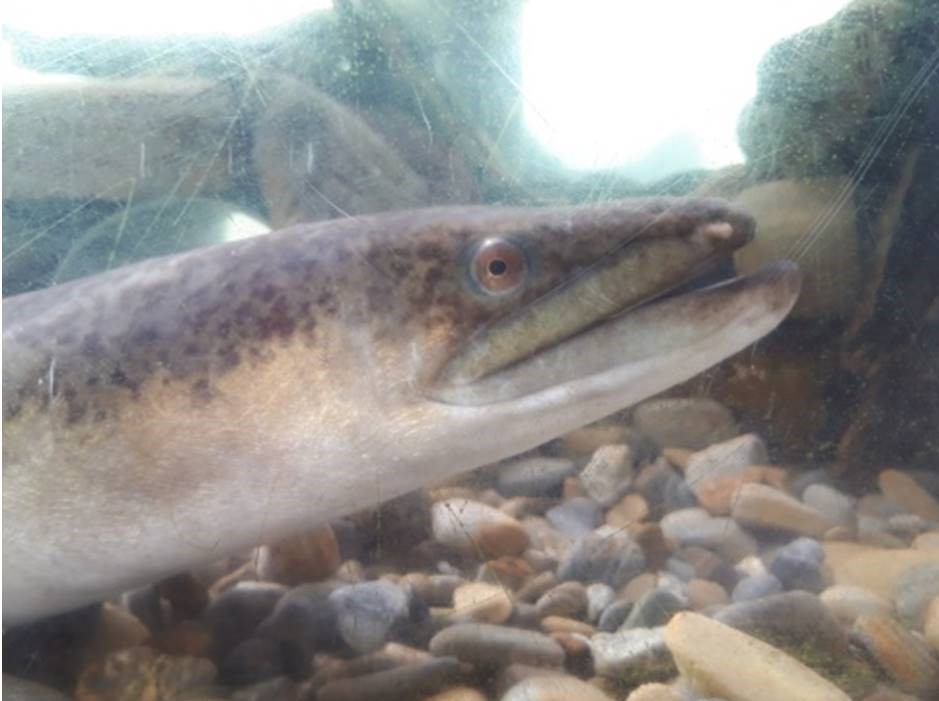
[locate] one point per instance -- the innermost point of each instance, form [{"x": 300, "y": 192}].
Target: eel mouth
[{"x": 646, "y": 304}]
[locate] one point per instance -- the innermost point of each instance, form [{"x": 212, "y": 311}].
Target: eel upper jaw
[{"x": 671, "y": 337}]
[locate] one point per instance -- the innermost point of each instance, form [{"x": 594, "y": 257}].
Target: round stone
[
  {"x": 367, "y": 613},
  {"x": 496, "y": 646}
]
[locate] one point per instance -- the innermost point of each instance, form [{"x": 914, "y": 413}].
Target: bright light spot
[
  {"x": 54, "y": 18},
  {"x": 652, "y": 87},
  {"x": 243, "y": 226}
]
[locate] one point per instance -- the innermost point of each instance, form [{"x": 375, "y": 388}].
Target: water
[{"x": 121, "y": 147}]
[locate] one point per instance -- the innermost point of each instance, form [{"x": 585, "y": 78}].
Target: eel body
[{"x": 172, "y": 412}]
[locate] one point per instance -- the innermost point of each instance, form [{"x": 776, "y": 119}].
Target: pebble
[
  {"x": 234, "y": 614},
  {"x": 303, "y": 622},
  {"x": 609, "y": 473},
  {"x": 614, "y": 615},
  {"x": 762, "y": 506},
  {"x": 631, "y": 509},
  {"x": 798, "y": 565},
  {"x": 554, "y": 688},
  {"x": 561, "y": 624},
  {"x": 686, "y": 422},
  {"x": 697, "y": 527},
  {"x": 477, "y": 529},
  {"x": 17, "y": 689},
  {"x": 404, "y": 683},
  {"x": 575, "y": 517},
  {"x": 299, "y": 559},
  {"x": 796, "y": 618},
  {"x": 727, "y": 458},
  {"x": 582, "y": 442},
  {"x": 718, "y": 660},
  {"x": 537, "y": 476},
  {"x": 654, "y": 608},
  {"x": 848, "y": 602},
  {"x": 457, "y": 693},
  {"x": 368, "y": 613},
  {"x": 906, "y": 659},
  {"x": 494, "y": 646},
  {"x": 276, "y": 689},
  {"x": 654, "y": 692},
  {"x": 507, "y": 572},
  {"x": 566, "y": 599},
  {"x": 874, "y": 569},
  {"x": 483, "y": 602},
  {"x": 756, "y": 587},
  {"x": 834, "y": 505},
  {"x": 253, "y": 660},
  {"x": 703, "y": 594},
  {"x": 707, "y": 565},
  {"x": 632, "y": 656},
  {"x": 931, "y": 625},
  {"x": 599, "y": 596},
  {"x": 716, "y": 494},
  {"x": 184, "y": 638},
  {"x": 902, "y": 489},
  {"x": 915, "y": 588},
  {"x": 611, "y": 558},
  {"x": 141, "y": 673},
  {"x": 927, "y": 541}
]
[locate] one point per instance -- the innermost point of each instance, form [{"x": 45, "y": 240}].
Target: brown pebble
[
  {"x": 562, "y": 624},
  {"x": 631, "y": 509},
  {"x": 931, "y": 625},
  {"x": 927, "y": 541},
  {"x": 306, "y": 557},
  {"x": 477, "y": 529},
  {"x": 507, "y": 572},
  {"x": 677, "y": 456},
  {"x": 535, "y": 587},
  {"x": 762, "y": 506},
  {"x": 458, "y": 693},
  {"x": 654, "y": 545},
  {"x": 904, "y": 657},
  {"x": 902, "y": 489},
  {"x": 481, "y": 601},
  {"x": 140, "y": 673},
  {"x": 581, "y": 442},
  {"x": 633, "y": 590},
  {"x": 653, "y": 692},
  {"x": 566, "y": 599},
  {"x": 572, "y": 488},
  {"x": 703, "y": 594}
]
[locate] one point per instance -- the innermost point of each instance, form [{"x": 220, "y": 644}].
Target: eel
[{"x": 172, "y": 412}]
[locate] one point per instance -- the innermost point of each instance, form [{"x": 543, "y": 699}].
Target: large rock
[{"x": 720, "y": 661}]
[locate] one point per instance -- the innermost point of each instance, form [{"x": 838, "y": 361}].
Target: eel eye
[{"x": 499, "y": 266}]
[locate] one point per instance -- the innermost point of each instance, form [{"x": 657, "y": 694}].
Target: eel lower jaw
[{"x": 672, "y": 337}]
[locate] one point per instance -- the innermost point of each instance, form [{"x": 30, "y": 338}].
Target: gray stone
[
  {"x": 686, "y": 422},
  {"x": 496, "y": 646},
  {"x": 535, "y": 476},
  {"x": 575, "y": 517},
  {"x": 614, "y": 615},
  {"x": 756, "y": 587},
  {"x": 405, "y": 683},
  {"x": 303, "y": 622},
  {"x": 367, "y": 613},
  {"x": 236, "y": 612},
  {"x": 798, "y": 565},
  {"x": 609, "y": 473},
  {"x": 915, "y": 588},
  {"x": 654, "y": 608},
  {"x": 632, "y": 656},
  {"x": 837, "y": 507},
  {"x": 794, "y": 617},
  {"x": 697, "y": 527},
  {"x": 253, "y": 660},
  {"x": 726, "y": 459},
  {"x": 612, "y": 558},
  {"x": 599, "y": 596}
]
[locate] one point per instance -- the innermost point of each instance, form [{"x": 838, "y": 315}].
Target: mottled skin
[{"x": 174, "y": 411}]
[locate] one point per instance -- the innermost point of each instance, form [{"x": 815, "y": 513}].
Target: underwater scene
[{"x": 471, "y": 350}]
